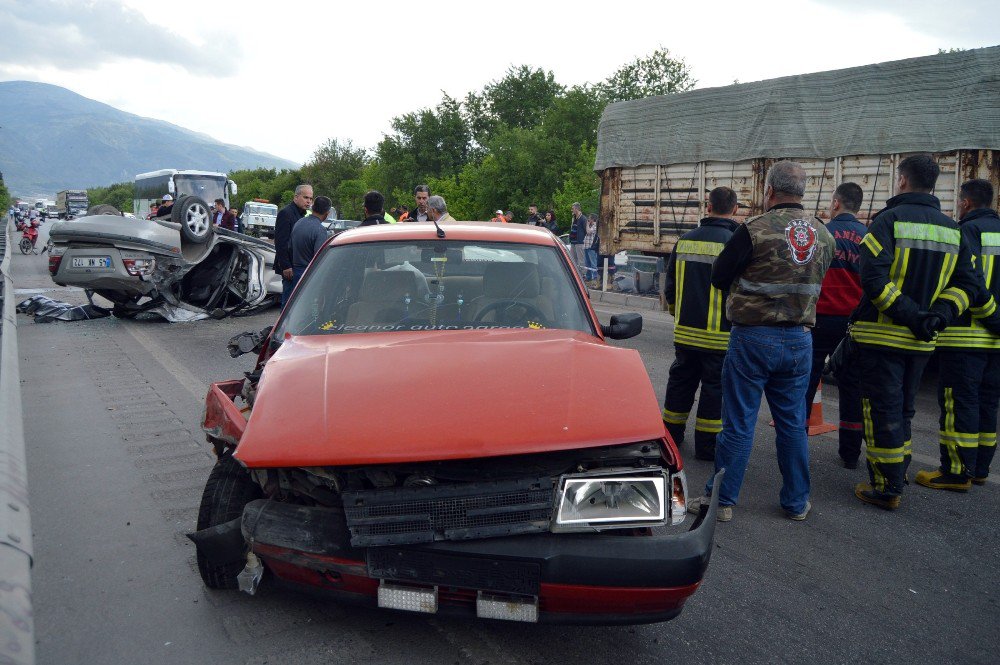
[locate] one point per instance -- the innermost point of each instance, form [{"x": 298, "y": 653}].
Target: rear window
[{"x": 435, "y": 285}]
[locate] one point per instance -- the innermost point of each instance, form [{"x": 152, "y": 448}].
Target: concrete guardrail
[{"x": 17, "y": 626}]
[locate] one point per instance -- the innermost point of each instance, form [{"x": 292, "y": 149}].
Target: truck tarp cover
[{"x": 938, "y": 103}]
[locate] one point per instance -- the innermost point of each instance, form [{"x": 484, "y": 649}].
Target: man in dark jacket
[
  {"x": 839, "y": 296},
  {"x": 420, "y": 195},
  {"x": 374, "y": 209},
  {"x": 577, "y": 232},
  {"x": 701, "y": 329},
  {"x": 223, "y": 217},
  {"x": 772, "y": 267},
  {"x": 166, "y": 206},
  {"x": 283, "y": 225},
  {"x": 969, "y": 349},
  {"x": 308, "y": 237},
  {"x": 916, "y": 276},
  {"x": 534, "y": 219}
]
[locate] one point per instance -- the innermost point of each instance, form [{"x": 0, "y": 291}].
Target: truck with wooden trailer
[{"x": 659, "y": 157}]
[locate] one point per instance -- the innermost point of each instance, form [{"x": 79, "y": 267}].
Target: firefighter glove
[{"x": 926, "y": 325}]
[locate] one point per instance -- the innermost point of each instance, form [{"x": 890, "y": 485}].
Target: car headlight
[{"x": 611, "y": 501}]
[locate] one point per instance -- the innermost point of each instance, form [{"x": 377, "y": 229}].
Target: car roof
[{"x": 475, "y": 231}]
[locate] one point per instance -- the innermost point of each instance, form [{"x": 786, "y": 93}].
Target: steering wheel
[{"x": 530, "y": 311}]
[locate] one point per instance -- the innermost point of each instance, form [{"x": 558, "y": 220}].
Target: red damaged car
[{"x": 436, "y": 424}]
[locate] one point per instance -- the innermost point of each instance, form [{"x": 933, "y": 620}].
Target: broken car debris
[{"x": 181, "y": 268}]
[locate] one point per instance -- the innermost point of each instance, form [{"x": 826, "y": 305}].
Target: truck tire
[
  {"x": 195, "y": 218},
  {"x": 228, "y": 490}
]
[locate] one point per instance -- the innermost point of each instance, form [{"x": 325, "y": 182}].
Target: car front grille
[{"x": 407, "y": 515}]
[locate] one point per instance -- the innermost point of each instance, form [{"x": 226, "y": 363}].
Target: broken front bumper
[{"x": 575, "y": 578}]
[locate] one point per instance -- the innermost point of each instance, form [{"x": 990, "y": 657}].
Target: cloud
[
  {"x": 960, "y": 23},
  {"x": 83, "y": 36}
]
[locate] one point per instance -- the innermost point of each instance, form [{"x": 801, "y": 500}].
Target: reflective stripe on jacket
[
  {"x": 912, "y": 260},
  {"x": 697, "y": 306},
  {"x": 980, "y": 230}
]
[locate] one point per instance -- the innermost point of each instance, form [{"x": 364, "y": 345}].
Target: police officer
[
  {"x": 969, "y": 375},
  {"x": 701, "y": 329},
  {"x": 916, "y": 275},
  {"x": 772, "y": 267},
  {"x": 838, "y": 297}
]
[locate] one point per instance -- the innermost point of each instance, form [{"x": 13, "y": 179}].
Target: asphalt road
[{"x": 117, "y": 463}]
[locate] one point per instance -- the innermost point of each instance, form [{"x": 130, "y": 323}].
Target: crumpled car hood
[{"x": 380, "y": 398}]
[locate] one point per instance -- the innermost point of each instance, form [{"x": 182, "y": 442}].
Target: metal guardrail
[{"x": 17, "y": 627}]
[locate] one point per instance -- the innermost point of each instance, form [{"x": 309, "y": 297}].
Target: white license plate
[{"x": 92, "y": 262}]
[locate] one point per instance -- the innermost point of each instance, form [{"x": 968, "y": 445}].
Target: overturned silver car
[{"x": 182, "y": 267}]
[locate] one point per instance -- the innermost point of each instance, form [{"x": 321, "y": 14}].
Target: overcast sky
[{"x": 283, "y": 77}]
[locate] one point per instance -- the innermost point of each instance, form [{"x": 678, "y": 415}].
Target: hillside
[{"x": 52, "y": 139}]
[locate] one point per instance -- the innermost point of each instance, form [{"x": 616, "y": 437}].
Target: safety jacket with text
[
  {"x": 912, "y": 261},
  {"x": 980, "y": 230},
  {"x": 697, "y": 306}
]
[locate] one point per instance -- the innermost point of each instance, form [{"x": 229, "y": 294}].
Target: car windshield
[
  {"x": 262, "y": 209},
  {"x": 435, "y": 285},
  {"x": 208, "y": 188}
]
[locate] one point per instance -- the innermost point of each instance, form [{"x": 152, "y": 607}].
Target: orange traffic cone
[{"x": 816, "y": 424}]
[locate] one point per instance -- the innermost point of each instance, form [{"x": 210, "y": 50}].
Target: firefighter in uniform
[
  {"x": 916, "y": 276},
  {"x": 701, "y": 329},
  {"x": 773, "y": 267},
  {"x": 838, "y": 298},
  {"x": 969, "y": 374}
]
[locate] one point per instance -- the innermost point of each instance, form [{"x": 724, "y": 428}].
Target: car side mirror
[
  {"x": 623, "y": 326},
  {"x": 248, "y": 342}
]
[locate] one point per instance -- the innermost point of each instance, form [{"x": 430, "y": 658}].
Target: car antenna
[{"x": 440, "y": 231}]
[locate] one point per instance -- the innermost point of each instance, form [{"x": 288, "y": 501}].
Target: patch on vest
[{"x": 801, "y": 239}]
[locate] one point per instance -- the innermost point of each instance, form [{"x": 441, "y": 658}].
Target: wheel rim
[{"x": 197, "y": 219}]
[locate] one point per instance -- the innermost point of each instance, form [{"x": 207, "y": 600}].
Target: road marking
[{"x": 189, "y": 381}]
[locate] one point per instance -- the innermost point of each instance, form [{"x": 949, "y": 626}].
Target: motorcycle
[{"x": 29, "y": 236}]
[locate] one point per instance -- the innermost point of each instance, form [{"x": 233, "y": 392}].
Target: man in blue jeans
[{"x": 773, "y": 267}]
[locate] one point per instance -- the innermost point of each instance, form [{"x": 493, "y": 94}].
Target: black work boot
[
  {"x": 939, "y": 480},
  {"x": 868, "y": 494}
]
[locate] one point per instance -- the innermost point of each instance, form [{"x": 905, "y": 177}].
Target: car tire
[
  {"x": 194, "y": 217},
  {"x": 104, "y": 209},
  {"x": 228, "y": 490}
]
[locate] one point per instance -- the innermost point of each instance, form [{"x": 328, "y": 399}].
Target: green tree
[
  {"x": 334, "y": 162},
  {"x": 425, "y": 144},
  {"x": 518, "y": 100},
  {"x": 351, "y": 194},
  {"x": 4, "y": 198},
  {"x": 119, "y": 195},
  {"x": 573, "y": 117},
  {"x": 655, "y": 74},
  {"x": 580, "y": 184},
  {"x": 521, "y": 167}
]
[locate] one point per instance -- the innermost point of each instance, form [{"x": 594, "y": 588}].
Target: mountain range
[{"x": 53, "y": 139}]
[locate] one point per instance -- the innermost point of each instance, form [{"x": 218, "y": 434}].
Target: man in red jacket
[
  {"x": 223, "y": 217},
  {"x": 840, "y": 294}
]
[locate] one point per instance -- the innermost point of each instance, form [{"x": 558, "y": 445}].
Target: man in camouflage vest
[{"x": 773, "y": 267}]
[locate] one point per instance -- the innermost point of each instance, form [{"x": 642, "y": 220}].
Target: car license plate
[{"x": 92, "y": 262}]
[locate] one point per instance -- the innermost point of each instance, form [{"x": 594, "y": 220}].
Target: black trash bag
[
  {"x": 842, "y": 357},
  {"x": 46, "y": 310}
]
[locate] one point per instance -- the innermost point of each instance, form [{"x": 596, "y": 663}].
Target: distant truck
[
  {"x": 72, "y": 203},
  {"x": 658, "y": 158},
  {"x": 259, "y": 216}
]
